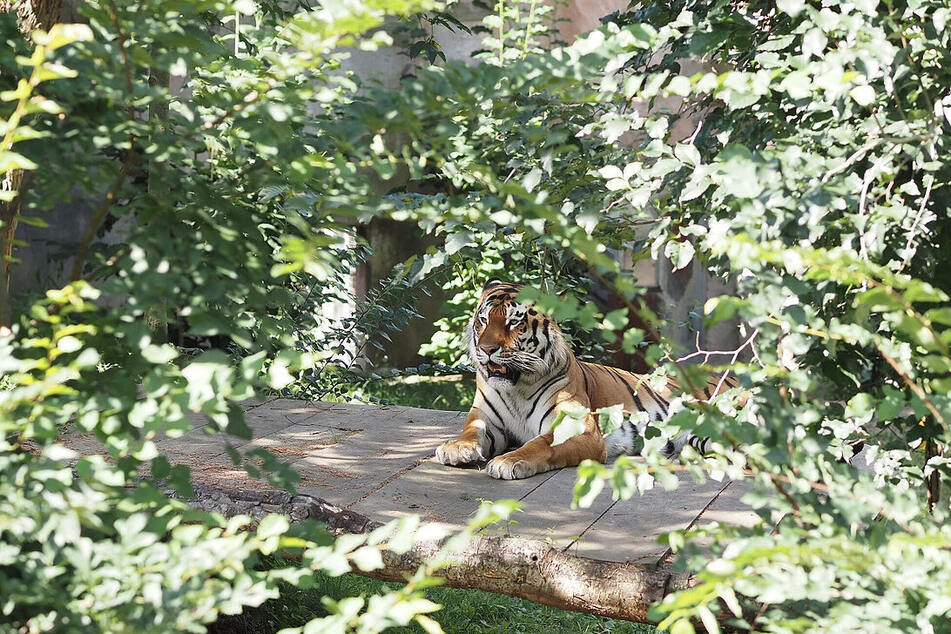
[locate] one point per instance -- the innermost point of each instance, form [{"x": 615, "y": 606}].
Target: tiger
[{"x": 526, "y": 373}]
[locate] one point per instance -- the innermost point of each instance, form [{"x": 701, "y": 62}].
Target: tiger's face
[{"x": 509, "y": 340}]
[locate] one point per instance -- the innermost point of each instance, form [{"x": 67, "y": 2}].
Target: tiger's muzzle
[{"x": 500, "y": 371}]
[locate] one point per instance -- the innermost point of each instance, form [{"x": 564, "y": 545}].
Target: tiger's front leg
[
  {"x": 538, "y": 455},
  {"x": 473, "y": 445}
]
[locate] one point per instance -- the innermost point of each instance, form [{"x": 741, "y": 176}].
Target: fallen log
[
  {"x": 517, "y": 567},
  {"x": 531, "y": 569}
]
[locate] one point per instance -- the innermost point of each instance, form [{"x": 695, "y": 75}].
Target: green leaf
[
  {"x": 616, "y": 319},
  {"x": 12, "y": 161},
  {"x": 62, "y": 34},
  {"x": 709, "y": 621},
  {"x": 610, "y": 418},
  {"x": 860, "y": 406},
  {"x": 159, "y": 354},
  {"x": 459, "y": 240},
  {"x": 682, "y": 627},
  {"x": 689, "y": 154},
  {"x": 863, "y": 95},
  {"x": 680, "y": 253},
  {"x": 893, "y": 402},
  {"x": 272, "y": 526},
  {"x": 367, "y": 558},
  {"x": 568, "y": 422}
]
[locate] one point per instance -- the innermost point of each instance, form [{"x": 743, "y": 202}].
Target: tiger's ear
[{"x": 492, "y": 281}]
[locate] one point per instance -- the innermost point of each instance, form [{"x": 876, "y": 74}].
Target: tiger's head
[{"x": 509, "y": 341}]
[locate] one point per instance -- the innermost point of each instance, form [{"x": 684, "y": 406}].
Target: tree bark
[
  {"x": 533, "y": 570},
  {"x": 9, "y": 213},
  {"x": 34, "y": 14},
  {"x": 523, "y": 568}
]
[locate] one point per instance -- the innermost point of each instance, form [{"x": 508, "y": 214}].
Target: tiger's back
[{"x": 606, "y": 386}]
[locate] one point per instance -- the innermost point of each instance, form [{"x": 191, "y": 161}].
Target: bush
[
  {"x": 214, "y": 198},
  {"x": 815, "y": 178}
]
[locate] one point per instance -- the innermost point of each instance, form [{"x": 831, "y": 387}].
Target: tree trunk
[
  {"x": 31, "y": 15},
  {"x": 9, "y": 212},
  {"x": 523, "y": 568},
  {"x": 34, "y": 14},
  {"x": 533, "y": 570}
]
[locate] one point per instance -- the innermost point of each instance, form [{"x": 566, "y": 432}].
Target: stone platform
[{"x": 378, "y": 461}]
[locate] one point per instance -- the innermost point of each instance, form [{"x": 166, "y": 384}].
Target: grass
[
  {"x": 464, "y": 611},
  {"x": 451, "y": 392}
]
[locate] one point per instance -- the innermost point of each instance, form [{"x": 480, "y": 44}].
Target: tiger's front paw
[
  {"x": 510, "y": 468},
  {"x": 459, "y": 452}
]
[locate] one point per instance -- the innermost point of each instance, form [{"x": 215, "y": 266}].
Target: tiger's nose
[{"x": 488, "y": 348}]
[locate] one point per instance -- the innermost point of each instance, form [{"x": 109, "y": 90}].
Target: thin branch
[
  {"x": 821, "y": 487},
  {"x": 866, "y": 183},
  {"x": 693, "y": 137},
  {"x": 932, "y": 481},
  {"x": 736, "y": 354},
  {"x": 914, "y": 226},
  {"x": 918, "y": 391},
  {"x": 865, "y": 149},
  {"x": 706, "y": 354},
  {"x": 635, "y": 310},
  {"x": 914, "y": 387},
  {"x": 782, "y": 491},
  {"x": 96, "y": 221},
  {"x": 114, "y": 14}
]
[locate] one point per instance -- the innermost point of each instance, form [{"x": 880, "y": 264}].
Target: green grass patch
[
  {"x": 464, "y": 612},
  {"x": 450, "y": 392}
]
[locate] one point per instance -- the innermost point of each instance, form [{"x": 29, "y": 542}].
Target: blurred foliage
[
  {"x": 214, "y": 198},
  {"x": 811, "y": 171}
]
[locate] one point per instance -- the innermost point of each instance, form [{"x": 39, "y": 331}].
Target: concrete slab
[
  {"x": 628, "y": 530},
  {"x": 263, "y": 420},
  {"x": 378, "y": 462},
  {"x": 288, "y": 443},
  {"x": 296, "y": 411},
  {"x": 372, "y": 449},
  {"x": 727, "y": 508},
  {"x": 547, "y": 513},
  {"x": 443, "y": 494},
  {"x": 399, "y": 438},
  {"x": 206, "y": 453},
  {"x": 353, "y": 417}
]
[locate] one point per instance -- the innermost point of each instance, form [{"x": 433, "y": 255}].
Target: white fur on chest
[{"x": 522, "y": 411}]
